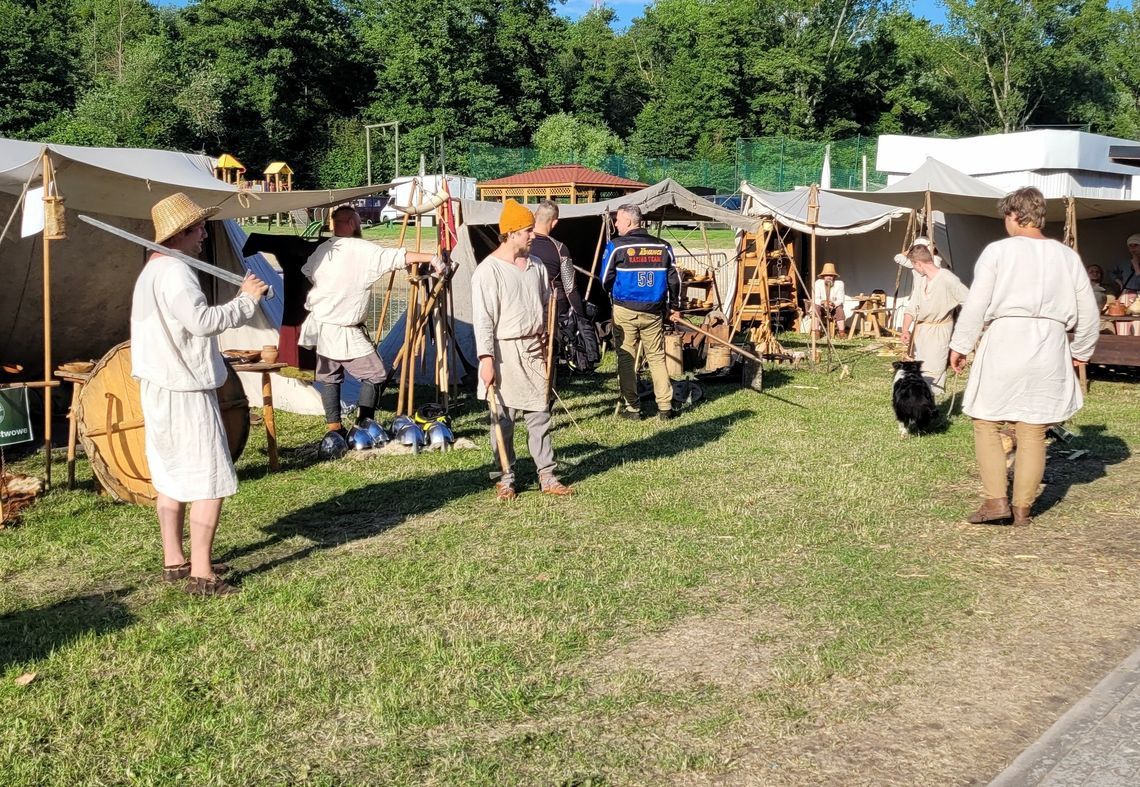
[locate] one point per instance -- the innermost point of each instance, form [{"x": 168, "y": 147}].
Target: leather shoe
[
  {"x": 553, "y": 486},
  {"x": 993, "y": 511},
  {"x": 181, "y": 571},
  {"x": 630, "y": 415},
  {"x": 505, "y": 492},
  {"x": 209, "y": 586},
  {"x": 666, "y": 415},
  {"x": 1021, "y": 515}
]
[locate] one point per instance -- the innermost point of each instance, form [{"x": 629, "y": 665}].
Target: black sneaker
[
  {"x": 666, "y": 415},
  {"x": 630, "y": 415}
]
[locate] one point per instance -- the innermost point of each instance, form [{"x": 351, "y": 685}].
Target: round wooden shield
[{"x": 112, "y": 431}]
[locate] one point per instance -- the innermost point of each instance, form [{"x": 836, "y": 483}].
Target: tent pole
[
  {"x": 47, "y": 181},
  {"x": 597, "y": 251},
  {"x": 1070, "y": 235},
  {"x": 813, "y": 220}
]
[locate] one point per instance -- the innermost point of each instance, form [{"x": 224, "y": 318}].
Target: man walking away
[{"x": 640, "y": 275}]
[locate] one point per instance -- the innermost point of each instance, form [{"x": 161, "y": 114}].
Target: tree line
[{"x": 297, "y": 80}]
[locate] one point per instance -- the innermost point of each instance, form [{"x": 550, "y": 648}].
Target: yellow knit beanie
[{"x": 514, "y": 217}]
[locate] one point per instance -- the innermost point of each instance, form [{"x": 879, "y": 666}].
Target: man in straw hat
[
  {"x": 343, "y": 270},
  {"x": 643, "y": 282},
  {"x": 929, "y": 315},
  {"x": 827, "y": 300},
  {"x": 175, "y": 358},
  {"x": 509, "y": 292}
]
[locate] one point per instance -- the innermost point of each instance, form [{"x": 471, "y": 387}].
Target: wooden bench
[{"x": 1112, "y": 351}]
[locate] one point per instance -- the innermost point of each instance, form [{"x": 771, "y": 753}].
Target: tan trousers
[
  {"x": 1028, "y": 466},
  {"x": 630, "y": 327}
]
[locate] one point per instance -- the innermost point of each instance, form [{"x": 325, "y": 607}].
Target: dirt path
[{"x": 1061, "y": 611}]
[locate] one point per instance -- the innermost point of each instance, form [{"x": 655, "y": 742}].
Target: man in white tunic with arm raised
[
  {"x": 175, "y": 357},
  {"x": 343, "y": 270},
  {"x": 1028, "y": 293},
  {"x": 509, "y": 293}
]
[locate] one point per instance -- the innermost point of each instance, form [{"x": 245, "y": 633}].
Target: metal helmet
[
  {"x": 333, "y": 446},
  {"x": 439, "y": 436},
  {"x": 411, "y": 435},
  {"x": 430, "y": 413},
  {"x": 375, "y": 431},
  {"x": 400, "y": 422},
  {"x": 359, "y": 439}
]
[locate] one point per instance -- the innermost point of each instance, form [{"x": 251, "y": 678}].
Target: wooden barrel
[{"x": 112, "y": 431}]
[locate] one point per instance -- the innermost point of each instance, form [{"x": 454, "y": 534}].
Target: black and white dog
[{"x": 912, "y": 399}]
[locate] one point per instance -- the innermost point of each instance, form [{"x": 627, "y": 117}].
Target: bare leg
[
  {"x": 204, "y": 516},
  {"x": 171, "y": 515}
]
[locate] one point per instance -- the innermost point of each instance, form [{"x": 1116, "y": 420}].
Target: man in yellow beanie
[{"x": 509, "y": 292}]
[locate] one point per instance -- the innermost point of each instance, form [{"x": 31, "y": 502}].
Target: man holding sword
[{"x": 175, "y": 358}]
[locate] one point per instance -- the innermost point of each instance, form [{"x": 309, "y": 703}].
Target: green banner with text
[{"x": 15, "y": 424}]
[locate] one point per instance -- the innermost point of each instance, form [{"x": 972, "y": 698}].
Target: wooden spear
[{"x": 498, "y": 427}]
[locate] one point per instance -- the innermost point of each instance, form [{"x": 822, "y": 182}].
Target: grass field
[{"x": 712, "y": 578}]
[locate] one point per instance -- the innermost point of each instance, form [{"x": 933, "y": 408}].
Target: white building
[{"x": 1060, "y": 163}]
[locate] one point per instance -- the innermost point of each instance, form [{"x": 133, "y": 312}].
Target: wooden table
[
  {"x": 870, "y": 315},
  {"x": 266, "y": 370},
  {"x": 77, "y": 380},
  {"x": 1112, "y": 350}
]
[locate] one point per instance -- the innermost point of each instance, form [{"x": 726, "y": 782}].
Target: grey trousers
[{"x": 537, "y": 440}]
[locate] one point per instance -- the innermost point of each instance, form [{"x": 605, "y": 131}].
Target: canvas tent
[
  {"x": 860, "y": 237},
  {"x": 92, "y": 273},
  {"x": 579, "y": 227},
  {"x": 970, "y": 218}
]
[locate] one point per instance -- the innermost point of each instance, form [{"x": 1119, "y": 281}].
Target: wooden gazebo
[{"x": 570, "y": 183}]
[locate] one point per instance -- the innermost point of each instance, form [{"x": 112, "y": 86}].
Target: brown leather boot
[
  {"x": 992, "y": 511},
  {"x": 1021, "y": 515}
]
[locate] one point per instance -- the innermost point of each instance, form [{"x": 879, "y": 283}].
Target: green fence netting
[{"x": 770, "y": 163}]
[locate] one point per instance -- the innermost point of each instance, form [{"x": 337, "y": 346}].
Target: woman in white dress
[{"x": 1028, "y": 294}]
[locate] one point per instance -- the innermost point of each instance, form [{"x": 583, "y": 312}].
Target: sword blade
[{"x": 205, "y": 267}]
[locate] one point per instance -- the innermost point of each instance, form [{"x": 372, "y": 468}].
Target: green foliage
[
  {"x": 37, "y": 59},
  {"x": 295, "y": 80},
  {"x": 343, "y": 163},
  {"x": 565, "y": 138},
  {"x": 288, "y": 67}
]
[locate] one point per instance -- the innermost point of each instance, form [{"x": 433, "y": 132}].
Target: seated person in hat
[
  {"x": 827, "y": 301},
  {"x": 175, "y": 358},
  {"x": 343, "y": 270}
]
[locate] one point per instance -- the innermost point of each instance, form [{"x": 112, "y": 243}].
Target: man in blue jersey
[{"x": 644, "y": 285}]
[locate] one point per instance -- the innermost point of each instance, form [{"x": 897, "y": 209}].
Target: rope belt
[{"x": 947, "y": 321}]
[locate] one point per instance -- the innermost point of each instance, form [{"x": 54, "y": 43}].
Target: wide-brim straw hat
[
  {"x": 829, "y": 270},
  {"x": 176, "y": 213}
]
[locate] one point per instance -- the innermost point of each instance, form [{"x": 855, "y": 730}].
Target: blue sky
[{"x": 628, "y": 9}]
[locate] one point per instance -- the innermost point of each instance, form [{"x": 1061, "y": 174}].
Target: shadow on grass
[
  {"x": 32, "y": 634},
  {"x": 376, "y": 508},
  {"x": 1062, "y": 474}
]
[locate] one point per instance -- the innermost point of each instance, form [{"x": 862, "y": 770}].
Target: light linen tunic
[
  {"x": 932, "y": 306},
  {"x": 1027, "y": 294},
  {"x": 509, "y": 316},
  {"x": 175, "y": 357},
  {"x": 837, "y": 292},
  {"x": 343, "y": 271}
]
